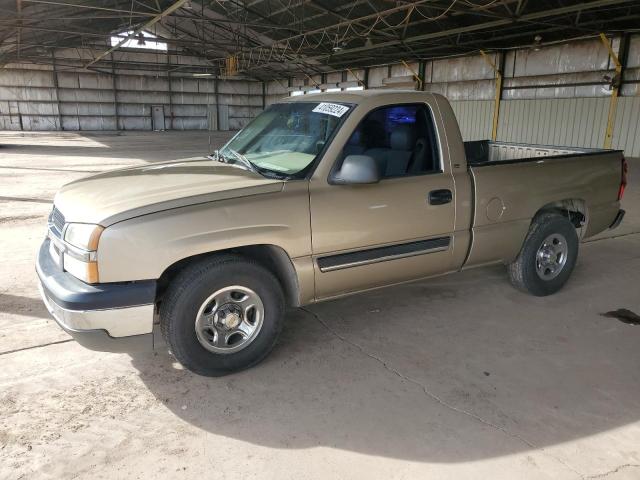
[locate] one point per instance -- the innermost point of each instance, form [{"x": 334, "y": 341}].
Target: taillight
[{"x": 623, "y": 180}]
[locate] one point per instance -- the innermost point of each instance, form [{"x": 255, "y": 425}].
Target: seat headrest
[{"x": 403, "y": 138}]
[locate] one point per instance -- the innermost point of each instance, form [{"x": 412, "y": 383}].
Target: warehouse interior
[{"x": 450, "y": 377}]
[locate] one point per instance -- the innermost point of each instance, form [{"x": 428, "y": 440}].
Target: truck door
[{"x": 399, "y": 229}]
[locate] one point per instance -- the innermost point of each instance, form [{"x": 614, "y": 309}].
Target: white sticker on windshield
[{"x": 334, "y": 109}]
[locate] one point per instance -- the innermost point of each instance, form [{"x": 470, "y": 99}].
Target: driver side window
[{"x": 400, "y": 138}]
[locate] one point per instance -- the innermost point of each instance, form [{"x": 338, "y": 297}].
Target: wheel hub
[
  {"x": 546, "y": 256},
  {"x": 228, "y": 317},
  {"x": 551, "y": 256}
]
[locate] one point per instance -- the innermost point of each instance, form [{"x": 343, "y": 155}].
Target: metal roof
[{"x": 275, "y": 38}]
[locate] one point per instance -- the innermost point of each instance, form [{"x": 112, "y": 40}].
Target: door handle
[{"x": 440, "y": 197}]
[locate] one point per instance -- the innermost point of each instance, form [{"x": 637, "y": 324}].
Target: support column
[
  {"x": 169, "y": 91},
  {"x": 115, "y": 93},
  {"x": 416, "y": 75},
  {"x": 56, "y": 86},
  {"x": 498, "y": 96},
  {"x": 215, "y": 92},
  {"x": 616, "y": 81},
  {"x": 422, "y": 73}
]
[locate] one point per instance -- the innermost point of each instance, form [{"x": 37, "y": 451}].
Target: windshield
[{"x": 287, "y": 137}]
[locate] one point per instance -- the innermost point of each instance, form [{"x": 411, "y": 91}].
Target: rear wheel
[
  {"x": 547, "y": 257},
  {"x": 222, "y": 315}
]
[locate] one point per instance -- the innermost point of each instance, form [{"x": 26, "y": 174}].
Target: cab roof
[{"x": 363, "y": 96}]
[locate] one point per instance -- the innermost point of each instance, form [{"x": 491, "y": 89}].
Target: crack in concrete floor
[
  {"x": 36, "y": 346},
  {"x": 614, "y": 471},
  {"x": 439, "y": 400}
]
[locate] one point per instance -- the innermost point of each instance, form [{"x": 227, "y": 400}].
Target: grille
[{"x": 56, "y": 219}]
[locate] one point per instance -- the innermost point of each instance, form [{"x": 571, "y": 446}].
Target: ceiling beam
[
  {"x": 484, "y": 26},
  {"x": 437, "y": 51},
  {"x": 91, "y": 7},
  {"x": 376, "y": 15},
  {"x": 175, "y": 6}
]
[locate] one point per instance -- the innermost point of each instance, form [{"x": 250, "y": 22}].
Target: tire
[
  {"x": 533, "y": 271},
  {"x": 190, "y": 325}
]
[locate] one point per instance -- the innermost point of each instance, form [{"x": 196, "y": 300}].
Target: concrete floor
[{"x": 456, "y": 377}]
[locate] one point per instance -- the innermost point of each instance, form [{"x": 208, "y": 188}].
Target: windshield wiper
[
  {"x": 246, "y": 162},
  {"x": 216, "y": 156}
]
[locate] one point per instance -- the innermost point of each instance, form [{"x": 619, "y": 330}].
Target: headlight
[
  {"x": 83, "y": 235},
  {"x": 82, "y": 264}
]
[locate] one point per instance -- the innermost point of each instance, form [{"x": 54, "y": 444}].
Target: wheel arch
[
  {"x": 575, "y": 209},
  {"x": 272, "y": 257}
]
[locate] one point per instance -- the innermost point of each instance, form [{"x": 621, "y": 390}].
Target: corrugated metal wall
[
  {"x": 577, "y": 122},
  {"x": 275, "y": 90},
  {"x": 556, "y": 121},
  {"x": 474, "y": 118},
  {"x": 31, "y": 100},
  {"x": 556, "y": 95},
  {"x": 553, "y": 95},
  {"x": 626, "y": 133}
]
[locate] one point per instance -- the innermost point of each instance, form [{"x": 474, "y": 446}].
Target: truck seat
[{"x": 395, "y": 160}]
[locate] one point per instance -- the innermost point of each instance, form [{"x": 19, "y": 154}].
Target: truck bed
[
  {"x": 486, "y": 152},
  {"x": 520, "y": 179}
]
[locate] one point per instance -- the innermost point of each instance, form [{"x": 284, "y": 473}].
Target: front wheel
[
  {"x": 222, "y": 315},
  {"x": 547, "y": 257}
]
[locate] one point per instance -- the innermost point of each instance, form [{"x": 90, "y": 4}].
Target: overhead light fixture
[
  {"x": 202, "y": 74},
  {"x": 140, "y": 37},
  {"x": 337, "y": 44},
  {"x": 537, "y": 40},
  {"x": 368, "y": 42}
]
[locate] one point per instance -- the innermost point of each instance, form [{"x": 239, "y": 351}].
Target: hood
[{"x": 111, "y": 197}]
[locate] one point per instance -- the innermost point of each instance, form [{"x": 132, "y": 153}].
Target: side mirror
[{"x": 357, "y": 169}]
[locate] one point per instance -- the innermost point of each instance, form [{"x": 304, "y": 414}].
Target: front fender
[{"x": 143, "y": 247}]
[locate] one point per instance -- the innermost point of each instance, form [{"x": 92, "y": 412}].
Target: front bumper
[{"x": 111, "y": 317}]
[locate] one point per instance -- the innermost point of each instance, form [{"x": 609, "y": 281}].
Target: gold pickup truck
[{"x": 320, "y": 196}]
